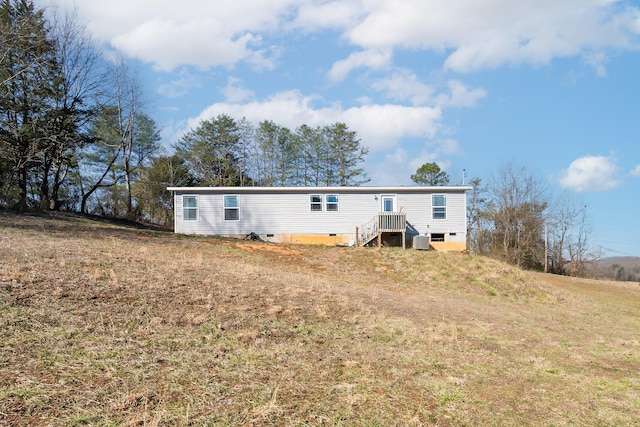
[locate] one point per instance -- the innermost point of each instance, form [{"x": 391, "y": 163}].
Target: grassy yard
[{"x": 107, "y": 325}]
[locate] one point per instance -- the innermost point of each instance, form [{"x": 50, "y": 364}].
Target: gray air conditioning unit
[{"x": 421, "y": 242}]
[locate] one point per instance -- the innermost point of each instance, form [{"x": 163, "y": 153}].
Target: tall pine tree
[{"x": 26, "y": 71}]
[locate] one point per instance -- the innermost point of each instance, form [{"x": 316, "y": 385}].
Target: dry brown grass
[{"x": 114, "y": 326}]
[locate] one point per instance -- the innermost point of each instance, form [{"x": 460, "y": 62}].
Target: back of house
[{"x": 326, "y": 215}]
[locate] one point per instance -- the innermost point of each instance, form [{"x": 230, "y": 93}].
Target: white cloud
[
  {"x": 590, "y": 173},
  {"x": 474, "y": 35},
  {"x": 199, "y": 33},
  {"x": 636, "y": 171},
  {"x": 597, "y": 61},
  {"x": 447, "y": 146},
  {"x": 374, "y": 59},
  {"x": 179, "y": 86},
  {"x": 461, "y": 96},
  {"x": 335, "y": 14},
  {"x": 234, "y": 92},
  {"x": 392, "y": 170},
  {"x": 403, "y": 85},
  {"x": 168, "y": 44},
  {"x": 380, "y": 127},
  {"x": 493, "y": 33}
]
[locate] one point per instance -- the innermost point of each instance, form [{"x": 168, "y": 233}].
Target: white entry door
[{"x": 388, "y": 203}]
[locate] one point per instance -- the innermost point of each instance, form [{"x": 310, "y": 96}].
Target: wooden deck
[{"x": 383, "y": 222}]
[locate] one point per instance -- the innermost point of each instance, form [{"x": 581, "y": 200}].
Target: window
[
  {"x": 439, "y": 203},
  {"x": 315, "y": 202},
  {"x": 190, "y": 208},
  {"x": 437, "y": 237},
  {"x": 332, "y": 203},
  {"x": 231, "y": 208}
]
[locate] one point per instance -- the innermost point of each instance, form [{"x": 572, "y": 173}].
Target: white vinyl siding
[{"x": 291, "y": 212}]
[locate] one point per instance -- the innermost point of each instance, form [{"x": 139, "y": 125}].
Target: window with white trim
[
  {"x": 231, "y": 208},
  {"x": 332, "y": 202},
  {"x": 315, "y": 202},
  {"x": 439, "y": 205},
  {"x": 189, "y": 208}
]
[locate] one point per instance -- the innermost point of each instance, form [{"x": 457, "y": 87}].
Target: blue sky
[{"x": 547, "y": 84}]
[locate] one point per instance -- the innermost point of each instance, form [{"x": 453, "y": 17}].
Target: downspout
[{"x": 175, "y": 216}]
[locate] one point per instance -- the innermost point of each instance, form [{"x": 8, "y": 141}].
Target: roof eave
[{"x": 361, "y": 189}]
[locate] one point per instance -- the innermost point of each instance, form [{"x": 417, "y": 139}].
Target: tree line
[
  {"x": 74, "y": 134},
  {"x": 65, "y": 113},
  {"x": 619, "y": 272},
  {"x": 223, "y": 151},
  {"x": 514, "y": 218}
]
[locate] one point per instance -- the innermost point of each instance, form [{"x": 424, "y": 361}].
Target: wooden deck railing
[
  {"x": 383, "y": 222},
  {"x": 392, "y": 222}
]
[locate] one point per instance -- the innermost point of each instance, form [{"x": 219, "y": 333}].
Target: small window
[
  {"x": 231, "y": 208},
  {"x": 190, "y": 208},
  {"x": 439, "y": 203},
  {"x": 315, "y": 202},
  {"x": 332, "y": 203},
  {"x": 437, "y": 237}
]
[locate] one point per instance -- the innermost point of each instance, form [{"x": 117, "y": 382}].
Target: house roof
[{"x": 362, "y": 189}]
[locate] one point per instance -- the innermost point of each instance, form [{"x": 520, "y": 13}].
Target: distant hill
[{"x": 620, "y": 268}]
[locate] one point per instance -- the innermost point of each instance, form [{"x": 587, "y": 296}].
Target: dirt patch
[{"x": 268, "y": 247}]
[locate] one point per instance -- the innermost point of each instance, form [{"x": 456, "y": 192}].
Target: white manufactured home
[{"x": 327, "y": 215}]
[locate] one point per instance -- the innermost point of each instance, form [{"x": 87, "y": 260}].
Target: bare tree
[
  {"x": 49, "y": 74},
  {"x": 124, "y": 139},
  {"x": 478, "y": 226},
  {"x": 580, "y": 255},
  {"x": 76, "y": 90},
  {"x": 569, "y": 235},
  {"x": 517, "y": 207}
]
